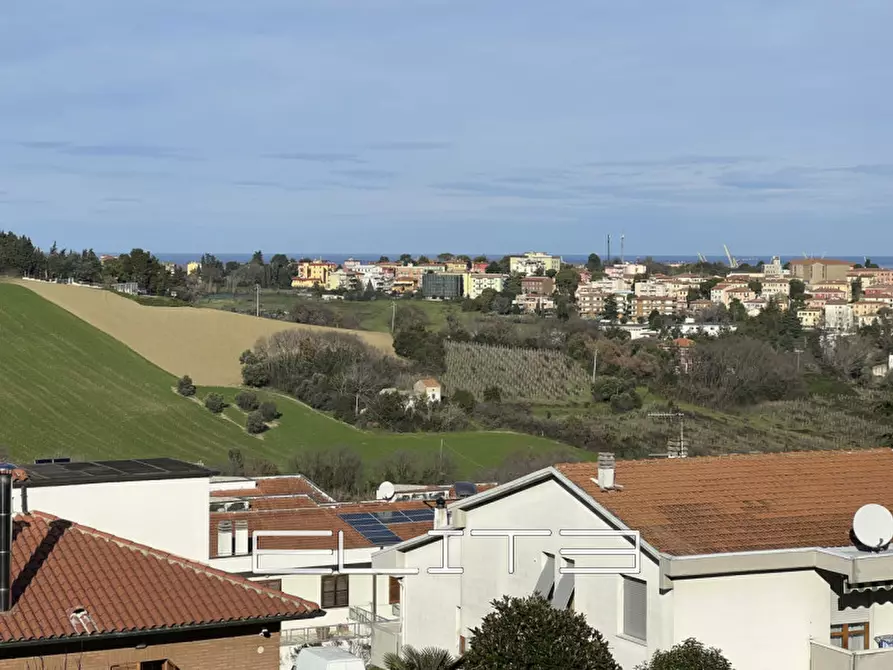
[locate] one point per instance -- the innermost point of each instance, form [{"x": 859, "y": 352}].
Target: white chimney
[
  {"x": 225, "y": 538},
  {"x": 606, "y": 471},
  {"x": 241, "y": 538},
  {"x": 441, "y": 516},
  {"x": 890, "y": 363}
]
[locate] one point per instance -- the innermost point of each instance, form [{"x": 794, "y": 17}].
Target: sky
[{"x": 470, "y": 126}]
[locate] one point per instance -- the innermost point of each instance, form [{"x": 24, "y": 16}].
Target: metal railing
[
  {"x": 363, "y": 615},
  {"x": 319, "y": 634}
]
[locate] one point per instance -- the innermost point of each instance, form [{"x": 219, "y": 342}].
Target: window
[
  {"x": 852, "y": 636},
  {"x": 275, "y": 584},
  {"x": 335, "y": 590},
  {"x": 635, "y": 608},
  {"x": 393, "y": 591}
]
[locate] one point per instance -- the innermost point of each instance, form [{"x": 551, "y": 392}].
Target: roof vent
[
  {"x": 81, "y": 621},
  {"x": 606, "y": 472},
  {"x": 465, "y": 489}
]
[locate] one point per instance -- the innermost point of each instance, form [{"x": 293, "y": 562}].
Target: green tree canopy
[
  {"x": 688, "y": 655},
  {"x": 523, "y": 633}
]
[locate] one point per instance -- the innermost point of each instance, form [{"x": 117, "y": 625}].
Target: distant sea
[{"x": 181, "y": 258}]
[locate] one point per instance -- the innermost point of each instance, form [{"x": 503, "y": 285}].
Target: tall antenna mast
[
  {"x": 622, "y": 238},
  {"x": 608, "y": 257}
]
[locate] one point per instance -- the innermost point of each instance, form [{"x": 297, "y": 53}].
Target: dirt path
[{"x": 203, "y": 343}]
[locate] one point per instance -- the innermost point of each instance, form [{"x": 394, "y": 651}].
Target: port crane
[
  {"x": 701, "y": 257},
  {"x": 732, "y": 262}
]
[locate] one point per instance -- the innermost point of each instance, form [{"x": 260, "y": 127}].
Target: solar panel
[
  {"x": 417, "y": 515},
  {"x": 381, "y": 538},
  {"x": 132, "y": 467},
  {"x": 393, "y": 516},
  {"x": 354, "y": 517}
]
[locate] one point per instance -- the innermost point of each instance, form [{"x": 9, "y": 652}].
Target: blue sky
[{"x": 462, "y": 125}]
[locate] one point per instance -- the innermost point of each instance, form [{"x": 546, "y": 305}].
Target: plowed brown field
[{"x": 202, "y": 343}]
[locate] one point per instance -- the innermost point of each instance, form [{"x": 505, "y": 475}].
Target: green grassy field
[
  {"x": 70, "y": 390},
  {"x": 370, "y": 315}
]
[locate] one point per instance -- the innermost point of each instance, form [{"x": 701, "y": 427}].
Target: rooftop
[
  {"x": 94, "y": 472},
  {"x": 823, "y": 261},
  {"x": 719, "y": 504},
  {"x": 59, "y": 567},
  {"x": 260, "y": 487}
]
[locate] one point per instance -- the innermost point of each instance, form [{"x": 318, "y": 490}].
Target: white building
[
  {"x": 532, "y": 262},
  {"x": 751, "y": 554},
  {"x": 839, "y": 316},
  {"x": 159, "y": 502},
  {"x": 477, "y": 283}
]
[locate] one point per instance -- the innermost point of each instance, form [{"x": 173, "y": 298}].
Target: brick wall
[{"x": 221, "y": 653}]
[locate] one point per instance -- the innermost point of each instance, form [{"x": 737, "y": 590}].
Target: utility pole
[
  {"x": 393, "y": 315},
  {"x": 682, "y": 453},
  {"x": 798, "y": 352},
  {"x": 257, "y": 296},
  {"x": 356, "y": 410},
  {"x": 594, "y": 363}
]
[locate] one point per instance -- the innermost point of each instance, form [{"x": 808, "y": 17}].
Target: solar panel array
[
  {"x": 149, "y": 468},
  {"x": 374, "y": 525}
]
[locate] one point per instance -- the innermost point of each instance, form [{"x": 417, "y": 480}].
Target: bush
[
  {"x": 246, "y": 400},
  {"x": 530, "y": 633},
  {"x": 492, "y": 394},
  {"x": 465, "y": 400},
  {"x": 248, "y": 358},
  {"x": 255, "y": 423},
  {"x": 215, "y": 403},
  {"x": 625, "y": 402},
  {"x": 268, "y": 411},
  {"x": 687, "y": 655},
  {"x": 185, "y": 387},
  {"x": 255, "y": 374}
]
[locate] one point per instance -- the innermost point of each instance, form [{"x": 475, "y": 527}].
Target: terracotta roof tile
[
  {"x": 279, "y": 485},
  {"x": 58, "y": 566},
  {"x": 735, "y": 503}
]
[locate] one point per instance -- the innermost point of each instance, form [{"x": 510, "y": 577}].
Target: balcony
[
  {"x": 319, "y": 635},
  {"x": 827, "y": 657}
]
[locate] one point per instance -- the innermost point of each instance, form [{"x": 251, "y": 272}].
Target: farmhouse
[{"x": 428, "y": 388}]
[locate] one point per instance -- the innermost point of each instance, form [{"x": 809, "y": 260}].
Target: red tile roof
[
  {"x": 59, "y": 566},
  {"x": 277, "y": 486},
  {"x": 319, "y": 518},
  {"x": 722, "y": 504},
  {"x": 820, "y": 261}
]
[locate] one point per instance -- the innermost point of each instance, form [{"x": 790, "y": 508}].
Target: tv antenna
[
  {"x": 873, "y": 526},
  {"x": 674, "y": 450}
]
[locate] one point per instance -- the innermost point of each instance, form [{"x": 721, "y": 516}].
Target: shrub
[
  {"x": 625, "y": 402},
  {"x": 248, "y": 357},
  {"x": 255, "y": 423},
  {"x": 492, "y": 394},
  {"x": 185, "y": 387},
  {"x": 215, "y": 403},
  {"x": 255, "y": 374},
  {"x": 688, "y": 654},
  {"x": 268, "y": 411},
  {"x": 247, "y": 401},
  {"x": 464, "y": 399},
  {"x": 530, "y": 633}
]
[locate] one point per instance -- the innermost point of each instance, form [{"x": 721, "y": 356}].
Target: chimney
[
  {"x": 441, "y": 518},
  {"x": 6, "y": 472},
  {"x": 241, "y": 538},
  {"x": 606, "y": 471},
  {"x": 225, "y": 538}
]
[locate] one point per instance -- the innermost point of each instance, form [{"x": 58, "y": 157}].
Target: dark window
[
  {"x": 393, "y": 591},
  {"x": 852, "y": 636},
  {"x": 335, "y": 591},
  {"x": 154, "y": 665}
]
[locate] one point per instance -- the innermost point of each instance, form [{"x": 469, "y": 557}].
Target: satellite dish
[
  {"x": 873, "y": 526},
  {"x": 386, "y": 491}
]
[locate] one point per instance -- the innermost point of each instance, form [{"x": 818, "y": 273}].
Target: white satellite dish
[
  {"x": 386, "y": 491},
  {"x": 873, "y": 526}
]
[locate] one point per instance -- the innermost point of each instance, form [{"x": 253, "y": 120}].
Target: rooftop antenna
[
  {"x": 622, "y": 238},
  {"x": 386, "y": 491},
  {"x": 873, "y": 526},
  {"x": 608, "y": 257},
  {"x": 674, "y": 451}
]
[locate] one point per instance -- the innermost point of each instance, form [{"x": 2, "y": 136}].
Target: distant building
[
  {"x": 537, "y": 286},
  {"x": 405, "y": 284},
  {"x": 590, "y": 301},
  {"x": 530, "y": 304},
  {"x": 442, "y": 285},
  {"x": 532, "y": 262},
  {"x": 476, "y": 283},
  {"x": 811, "y": 270},
  {"x": 130, "y": 288},
  {"x": 193, "y": 267},
  {"x": 838, "y": 316},
  {"x": 456, "y": 266},
  {"x": 774, "y": 269},
  {"x": 313, "y": 273},
  {"x": 810, "y": 317},
  {"x": 429, "y": 388},
  {"x": 644, "y": 306}
]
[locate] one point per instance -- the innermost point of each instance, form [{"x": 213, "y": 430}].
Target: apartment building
[
  {"x": 730, "y": 550},
  {"x": 477, "y": 283},
  {"x": 754, "y": 306},
  {"x": 532, "y": 262},
  {"x": 590, "y": 301},
  {"x": 774, "y": 269},
  {"x": 720, "y": 293},
  {"x": 811, "y": 317},
  {"x": 775, "y": 288},
  {"x": 342, "y": 279},
  {"x": 865, "y": 308},
  {"x": 442, "y": 285},
  {"x": 845, "y": 287},
  {"x": 405, "y": 284},
  {"x": 828, "y": 294},
  {"x": 870, "y": 276},
  {"x": 541, "y": 286},
  {"x": 456, "y": 266},
  {"x": 643, "y": 306},
  {"x": 812, "y": 270},
  {"x": 313, "y": 273},
  {"x": 741, "y": 294},
  {"x": 625, "y": 270},
  {"x": 654, "y": 288},
  {"x": 838, "y": 316},
  {"x": 533, "y": 303}
]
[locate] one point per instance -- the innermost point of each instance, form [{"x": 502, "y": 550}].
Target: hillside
[
  {"x": 202, "y": 343},
  {"x": 71, "y": 390}
]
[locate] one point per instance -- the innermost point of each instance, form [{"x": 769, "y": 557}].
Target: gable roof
[
  {"x": 429, "y": 382},
  {"x": 59, "y": 566},
  {"x": 720, "y": 504}
]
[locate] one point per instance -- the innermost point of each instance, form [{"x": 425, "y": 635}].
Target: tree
[
  {"x": 384, "y": 259},
  {"x": 185, "y": 387},
  {"x": 737, "y": 311},
  {"x": 493, "y": 268},
  {"x": 856, "y": 286},
  {"x": 255, "y": 423},
  {"x": 594, "y": 263},
  {"x": 247, "y": 401},
  {"x": 798, "y": 290},
  {"x": 687, "y": 655},
  {"x": 492, "y": 394},
  {"x": 464, "y": 399},
  {"x": 610, "y": 311},
  {"x": 215, "y": 402},
  {"x": 523, "y": 633},
  {"x": 480, "y": 259},
  {"x": 756, "y": 286},
  {"x": 429, "y": 658},
  {"x": 268, "y": 411}
]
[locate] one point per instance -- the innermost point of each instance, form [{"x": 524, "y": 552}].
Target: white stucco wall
[
  {"x": 758, "y": 621},
  {"x": 168, "y": 514}
]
